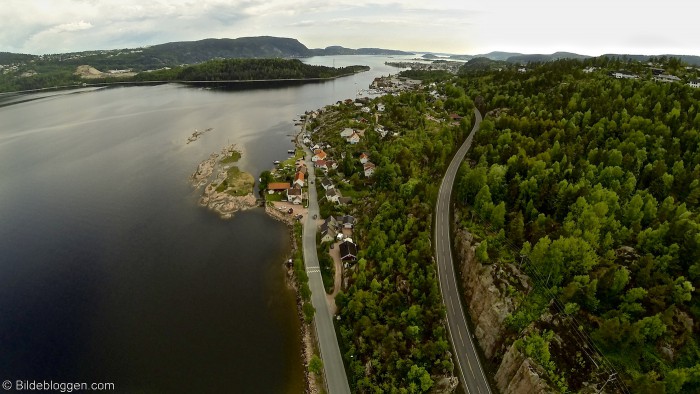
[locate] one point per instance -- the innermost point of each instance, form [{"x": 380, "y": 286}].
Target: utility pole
[{"x": 612, "y": 377}]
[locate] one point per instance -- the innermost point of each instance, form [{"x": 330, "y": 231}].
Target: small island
[{"x": 228, "y": 189}]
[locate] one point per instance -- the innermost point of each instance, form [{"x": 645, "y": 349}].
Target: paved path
[
  {"x": 469, "y": 367},
  {"x": 330, "y": 351}
]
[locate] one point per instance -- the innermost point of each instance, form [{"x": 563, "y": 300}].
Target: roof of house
[
  {"x": 455, "y": 116},
  {"x": 345, "y": 200},
  {"x": 278, "y": 186},
  {"x": 320, "y": 163},
  {"x": 326, "y": 182},
  {"x": 293, "y": 192},
  {"x": 331, "y": 193},
  {"x": 348, "y": 250},
  {"x": 299, "y": 176},
  {"x": 364, "y": 156},
  {"x": 368, "y": 165},
  {"x": 320, "y": 153},
  {"x": 348, "y": 219}
]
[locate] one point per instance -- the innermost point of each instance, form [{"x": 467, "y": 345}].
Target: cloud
[{"x": 70, "y": 27}]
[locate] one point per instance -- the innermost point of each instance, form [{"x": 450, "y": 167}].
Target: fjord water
[{"x": 111, "y": 272}]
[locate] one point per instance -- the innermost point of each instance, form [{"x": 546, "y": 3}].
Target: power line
[{"x": 582, "y": 339}]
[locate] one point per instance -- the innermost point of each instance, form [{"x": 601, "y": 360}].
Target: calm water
[{"x": 109, "y": 271}]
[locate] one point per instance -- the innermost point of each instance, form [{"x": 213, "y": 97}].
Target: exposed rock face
[
  {"x": 520, "y": 375},
  {"x": 485, "y": 293},
  {"x": 489, "y": 291}
]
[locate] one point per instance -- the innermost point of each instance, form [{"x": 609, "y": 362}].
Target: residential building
[
  {"x": 277, "y": 187},
  {"x": 354, "y": 138},
  {"x": 294, "y": 195},
  {"x": 348, "y": 221},
  {"x": 364, "y": 158},
  {"x": 695, "y": 83},
  {"x": 332, "y": 195},
  {"x": 369, "y": 169},
  {"x": 328, "y": 233},
  {"x": 623, "y": 75},
  {"x": 348, "y": 250},
  {"x": 347, "y": 132},
  {"x": 299, "y": 179},
  {"x": 666, "y": 78},
  {"x": 326, "y": 183},
  {"x": 319, "y": 154}
]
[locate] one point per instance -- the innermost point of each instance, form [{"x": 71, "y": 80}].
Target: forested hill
[
  {"x": 592, "y": 184},
  {"x": 187, "y": 52},
  {"x": 248, "y": 69}
]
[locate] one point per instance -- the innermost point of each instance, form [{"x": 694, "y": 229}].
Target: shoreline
[{"x": 308, "y": 342}]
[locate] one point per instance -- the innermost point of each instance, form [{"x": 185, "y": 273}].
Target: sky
[{"x": 592, "y": 27}]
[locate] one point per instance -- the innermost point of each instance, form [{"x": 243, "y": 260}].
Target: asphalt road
[
  {"x": 330, "y": 351},
  {"x": 471, "y": 374}
]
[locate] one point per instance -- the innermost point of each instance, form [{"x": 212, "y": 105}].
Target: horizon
[
  {"x": 516, "y": 52},
  {"x": 536, "y": 27}
]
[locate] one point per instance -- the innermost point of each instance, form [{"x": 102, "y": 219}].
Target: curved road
[
  {"x": 330, "y": 351},
  {"x": 471, "y": 373}
]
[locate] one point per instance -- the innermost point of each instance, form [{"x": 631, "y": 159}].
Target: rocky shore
[{"x": 220, "y": 195}]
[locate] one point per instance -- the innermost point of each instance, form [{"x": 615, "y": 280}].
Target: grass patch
[
  {"x": 232, "y": 158},
  {"x": 273, "y": 197},
  {"x": 237, "y": 182}
]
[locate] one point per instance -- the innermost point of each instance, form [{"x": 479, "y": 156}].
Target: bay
[{"x": 110, "y": 271}]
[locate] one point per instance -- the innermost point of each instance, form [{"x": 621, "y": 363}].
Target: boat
[
  {"x": 276, "y": 162},
  {"x": 291, "y": 151}
]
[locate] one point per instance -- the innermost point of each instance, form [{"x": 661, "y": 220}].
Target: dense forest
[
  {"x": 213, "y": 70},
  {"x": 597, "y": 181},
  {"x": 248, "y": 69}
]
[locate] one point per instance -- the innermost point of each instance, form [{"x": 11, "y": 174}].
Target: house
[
  {"x": 326, "y": 183},
  {"x": 331, "y": 164},
  {"x": 299, "y": 179},
  {"x": 365, "y": 110},
  {"x": 332, "y": 222},
  {"x": 381, "y": 107},
  {"x": 348, "y": 250},
  {"x": 381, "y": 130},
  {"x": 364, "y": 158},
  {"x": 345, "y": 200},
  {"x": 455, "y": 117},
  {"x": 319, "y": 154},
  {"x": 294, "y": 195},
  {"x": 369, "y": 169},
  {"x": 695, "y": 83},
  {"x": 348, "y": 221},
  {"x": 322, "y": 164},
  {"x": 328, "y": 233},
  {"x": 666, "y": 78},
  {"x": 623, "y": 75},
  {"x": 347, "y": 132},
  {"x": 522, "y": 70},
  {"x": 332, "y": 195},
  {"x": 589, "y": 70},
  {"x": 273, "y": 187},
  {"x": 354, "y": 138}
]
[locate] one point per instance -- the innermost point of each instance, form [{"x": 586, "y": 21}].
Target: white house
[
  {"x": 695, "y": 83},
  {"x": 347, "y": 132},
  {"x": 328, "y": 233},
  {"x": 354, "y": 138},
  {"x": 326, "y": 183},
  {"x": 299, "y": 179},
  {"x": 381, "y": 130},
  {"x": 319, "y": 154},
  {"x": 624, "y": 75},
  {"x": 666, "y": 78},
  {"x": 365, "y": 109},
  {"x": 589, "y": 70},
  {"x": 294, "y": 196},
  {"x": 364, "y": 158},
  {"x": 381, "y": 107},
  {"x": 369, "y": 169},
  {"x": 332, "y": 195}
]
